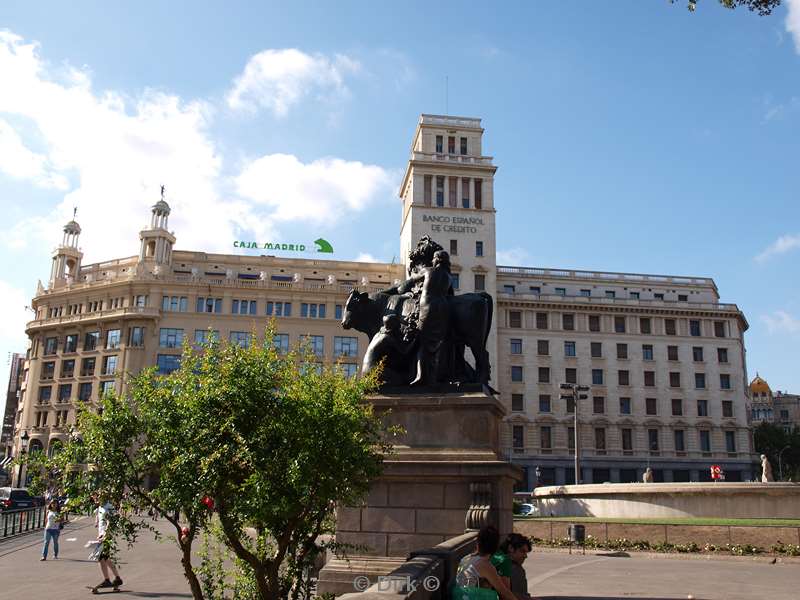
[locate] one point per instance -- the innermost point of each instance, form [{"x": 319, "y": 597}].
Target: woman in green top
[{"x": 476, "y": 577}]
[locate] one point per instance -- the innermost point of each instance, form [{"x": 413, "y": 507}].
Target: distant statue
[
  {"x": 648, "y": 475},
  {"x": 766, "y": 470},
  {"x": 163, "y": 189}
]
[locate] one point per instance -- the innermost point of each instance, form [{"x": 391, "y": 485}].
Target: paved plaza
[{"x": 152, "y": 570}]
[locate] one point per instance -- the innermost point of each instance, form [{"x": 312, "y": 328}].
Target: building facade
[
  {"x": 664, "y": 359},
  {"x": 778, "y": 408},
  {"x": 15, "y": 378}
]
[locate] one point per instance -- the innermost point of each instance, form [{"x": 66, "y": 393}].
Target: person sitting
[
  {"x": 476, "y": 577},
  {"x": 515, "y": 548}
]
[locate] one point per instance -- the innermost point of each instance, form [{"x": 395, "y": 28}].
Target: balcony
[
  {"x": 114, "y": 313},
  {"x": 457, "y": 159}
]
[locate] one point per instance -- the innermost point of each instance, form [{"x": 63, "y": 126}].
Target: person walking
[
  {"x": 52, "y": 529},
  {"x": 104, "y": 514}
]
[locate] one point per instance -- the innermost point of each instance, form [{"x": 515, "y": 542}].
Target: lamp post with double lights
[
  {"x": 23, "y": 448},
  {"x": 575, "y": 394}
]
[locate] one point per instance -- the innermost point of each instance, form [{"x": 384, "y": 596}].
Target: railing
[
  {"x": 604, "y": 275},
  {"x": 453, "y": 158},
  {"x": 621, "y": 301},
  {"x": 473, "y": 122},
  {"x": 21, "y": 520}
]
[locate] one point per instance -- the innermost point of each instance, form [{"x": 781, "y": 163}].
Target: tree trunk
[{"x": 188, "y": 572}]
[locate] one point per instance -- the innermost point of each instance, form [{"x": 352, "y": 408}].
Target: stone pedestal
[{"x": 445, "y": 476}]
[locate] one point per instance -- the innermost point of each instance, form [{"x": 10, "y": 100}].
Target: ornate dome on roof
[
  {"x": 759, "y": 385},
  {"x": 72, "y": 227},
  {"x": 161, "y": 207}
]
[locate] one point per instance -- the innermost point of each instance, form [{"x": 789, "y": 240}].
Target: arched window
[{"x": 35, "y": 446}]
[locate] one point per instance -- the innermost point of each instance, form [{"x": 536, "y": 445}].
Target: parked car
[
  {"x": 528, "y": 510},
  {"x": 14, "y": 498}
]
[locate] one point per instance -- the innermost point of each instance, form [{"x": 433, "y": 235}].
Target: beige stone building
[
  {"x": 664, "y": 358},
  {"x": 779, "y": 408}
]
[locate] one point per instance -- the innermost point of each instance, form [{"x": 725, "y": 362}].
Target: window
[
  {"x": 240, "y": 338},
  {"x": 480, "y": 282},
  {"x": 544, "y": 374},
  {"x": 546, "y": 434},
  {"x": 597, "y": 349},
  {"x": 45, "y": 392},
  {"x": 647, "y": 352},
  {"x": 85, "y": 391},
  {"x": 345, "y": 346},
  {"x": 541, "y": 320},
  {"x": 281, "y": 342},
  {"x": 349, "y": 370},
  {"x": 675, "y": 379},
  {"x": 50, "y": 346},
  {"x": 594, "y": 323},
  {"x": 624, "y": 406},
  {"x": 680, "y": 440},
  {"x": 697, "y": 353},
  {"x": 702, "y": 408},
  {"x": 337, "y": 309},
  {"x": 478, "y": 193},
  {"x": 699, "y": 381},
  {"x": 518, "y": 437},
  {"x": 455, "y": 281},
  {"x": 517, "y": 402},
  {"x": 516, "y": 346},
  {"x": 243, "y": 307},
  {"x": 570, "y": 375},
  {"x": 535, "y": 289},
  {"x": 64, "y": 392},
  {"x": 652, "y": 439},
  {"x": 439, "y": 190},
  {"x": 542, "y": 347},
  {"x": 514, "y": 319},
  {"x": 516, "y": 373},
  {"x": 650, "y": 406},
  {"x": 109, "y": 365},
  {"x": 705, "y": 440},
  {"x": 585, "y": 293},
  {"x": 209, "y": 305},
  {"x": 622, "y": 351},
  {"x": 479, "y": 248},
  {"x": 204, "y": 336},
  {"x": 452, "y": 192},
  {"x": 619, "y": 324},
  {"x": 136, "y": 335},
  {"x": 611, "y": 294},
  {"x": 108, "y": 387},
  {"x": 722, "y": 355},
  {"x": 719, "y": 329},
  {"x": 316, "y": 343},
  {"x": 672, "y": 353},
  {"x": 727, "y": 409},
  {"x": 627, "y": 440},
  {"x": 677, "y": 407},
  {"x": 598, "y": 405},
  {"x": 669, "y": 326},
  {"x": 463, "y": 146},
  {"x": 509, "y": 289},
  {"x": 597, "y": 376},
  {"x": 561, "y": 291},
  {"x": 694, "y": 328},
  {"x": 623, "y": 377},
  {"x": 730, "y": 442},
  {"x": 465, "y": 192},
  {"x": 453, "y": 247},
  {"x": 71, "y": 343},
  {"x": 634, "y": 295},
  {"x": 451, "y": 144},
  {"x": 87, "y": 366},
  {"x": 167, "y": 363},
  {"x": 67, "y": 368},
  {"x": 439, "y": 144},
  {"x": 112, "y": 339},
  {"x": 724, "y": 381},
  {"x": 645, "y": 325},
  {"x": 140, "y": 301},
  {"x": 658, "y": 296},
  {"x": 600, "y": 440},
  {"x": 170, "y": 338},
  {"x": 649, "y": 378},
  {"x": 544, "y": 403},
  {"x": 312, "y": 311},
  {"x": 284, "y": 309},
  {"x": 90, "y": 340},
  {"x": 174, "y": 303},
  {"x": 48, "y": 370},
  {"x": 569, "y": 349},
  {"x": 568, "y": 322},
  {"x": 571, "y": 440}
]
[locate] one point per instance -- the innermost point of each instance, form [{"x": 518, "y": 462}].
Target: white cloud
[
  {"x": 277, "y": 79},
  {"x": 783, "y": 244},
  {"x": 513, "y": 257},
  {"x": 322, "y": 191},
  {"x": 781, "y": 322},
  {"x": 793, "y": 21},
  {"x": 367, "y": 258},
  {"x": 16, "y": 160}
]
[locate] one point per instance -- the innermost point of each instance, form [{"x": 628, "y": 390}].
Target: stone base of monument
[{"x": 445, "y": 476}]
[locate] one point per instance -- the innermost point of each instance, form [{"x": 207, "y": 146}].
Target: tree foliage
[
  {"x": 773, "y": 441},
  {"x": 762, "y": 7},
  {"x": 247, "y": 442}
]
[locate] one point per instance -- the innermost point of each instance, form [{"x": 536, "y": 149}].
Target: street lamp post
[
  {"x": 575, "y": 395},
  {"x": 23, "y": 448},
  {"x": 780, "y": 463}
]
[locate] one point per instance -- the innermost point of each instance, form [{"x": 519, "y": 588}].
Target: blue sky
[{"x": 630, "y": 136}]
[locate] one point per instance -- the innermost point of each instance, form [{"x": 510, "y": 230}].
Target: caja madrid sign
[{"x": 318, "y": 245}]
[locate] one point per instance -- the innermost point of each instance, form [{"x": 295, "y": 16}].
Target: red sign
[{"x": 716, "y": 472}]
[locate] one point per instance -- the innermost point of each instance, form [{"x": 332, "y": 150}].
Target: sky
[{"x": 629, "y": 136}]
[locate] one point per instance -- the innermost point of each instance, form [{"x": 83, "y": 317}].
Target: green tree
[
  {"x": 762, "y": 7},
  {"x": 261, "y": 443}
]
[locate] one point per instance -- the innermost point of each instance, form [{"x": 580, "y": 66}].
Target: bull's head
[{"x": 353, "y": 306}]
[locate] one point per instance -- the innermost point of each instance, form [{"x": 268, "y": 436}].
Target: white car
[{"x": 528, "y": 510}]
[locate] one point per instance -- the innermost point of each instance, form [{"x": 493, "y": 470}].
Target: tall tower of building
[
  {"x": 67, "y": 257},
  {"x": 156, "y": 241},
  {"x": 448, "y": 194}
]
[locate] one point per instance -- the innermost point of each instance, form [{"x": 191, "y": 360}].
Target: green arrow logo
[{"x": 323, "y": 245}]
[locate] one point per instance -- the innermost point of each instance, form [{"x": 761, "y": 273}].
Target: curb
[{"x": 761, "y": 558}]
